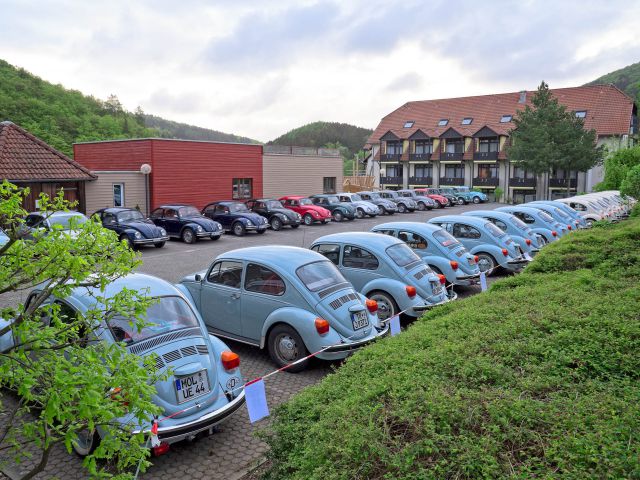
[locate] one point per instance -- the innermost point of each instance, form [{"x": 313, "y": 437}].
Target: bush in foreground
[{"x": 539, "y": 377}]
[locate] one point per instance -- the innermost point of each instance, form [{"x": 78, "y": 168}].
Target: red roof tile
[
  {"x": 26, "y": 158},
  {"x": 608, "y": 109}
]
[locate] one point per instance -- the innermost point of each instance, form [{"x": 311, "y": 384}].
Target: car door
[
  {"x": 359, "y": 265},
  {"x": 261, "y": 209},
  {"x": 222, "y": 214},
  {"x": 263, "y": 292},
  {"x": 110, "y": 221},
  {"x": 172, "y": 222},
  {"x": 329, "y": 250},
  {"x": 221, "y": 297}
]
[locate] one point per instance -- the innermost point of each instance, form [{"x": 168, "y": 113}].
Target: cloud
[
  {"x": 408, "y": 81},
  {"x": 173, "y": 101}
]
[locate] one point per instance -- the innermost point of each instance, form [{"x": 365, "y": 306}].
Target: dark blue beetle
[
  {"x": 186, "y": 222},
  {"x": 132, "y": 226},
  {"x": 235, "y": 217}
]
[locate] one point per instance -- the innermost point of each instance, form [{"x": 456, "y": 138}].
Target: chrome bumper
[
  {"x": 148, "y": 241},
  {"x": 350, "y": 347}
]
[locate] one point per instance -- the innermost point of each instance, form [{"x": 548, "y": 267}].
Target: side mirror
[{"x": 198, "y": 277}]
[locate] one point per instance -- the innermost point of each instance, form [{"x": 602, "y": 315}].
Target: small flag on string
[
  {"x": 256, "y": 399},
  {"x": 395, "y": 325},
  {"x": 483, "y": 281},
  {"x": 155, "y": 441}
]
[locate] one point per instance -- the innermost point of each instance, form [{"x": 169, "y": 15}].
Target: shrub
[
  {"x": 539, "y": 377},
  {"x": 630, "y": 186}
]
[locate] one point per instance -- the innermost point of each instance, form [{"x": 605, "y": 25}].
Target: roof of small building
[{"x": 26, "y": 158}]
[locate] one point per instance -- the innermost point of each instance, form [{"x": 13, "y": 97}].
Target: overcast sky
[{"x": 260, "y": 68}]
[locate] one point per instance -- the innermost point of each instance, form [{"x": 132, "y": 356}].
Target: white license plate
[
  {"x": 191, "y": 386},
  {"x": 436, "y": 288},
  {"x": 359, "y": 320}
]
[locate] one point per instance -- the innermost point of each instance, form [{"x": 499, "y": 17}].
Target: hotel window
[
  {"x": 394, "y": 148},
  {"x": 467, "y": 121},
  {"x": 488, "y": 145},
  {"x": 118, "y": 194},
  {"x": 443, "y": 122},
  {"x": 454, "y": 171},
  {"x": 242, "y": 188},
  {"x": 488, "y": 171},
  {"x": 394, "y": 170},
  {"x": 422, "y": 170},
  {"x": 581, "y": 114},
  {"x": 506, "y": 118},
  {"x": 519, "y": 172},
  {"x": 424, "y": 146},
  {"x": 408, "y": 124},
  {"x": 455, "y": 146},
  {"x": 329, "y": 185}
]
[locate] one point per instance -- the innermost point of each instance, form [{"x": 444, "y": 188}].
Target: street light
[{"x": 145, "y": 169}]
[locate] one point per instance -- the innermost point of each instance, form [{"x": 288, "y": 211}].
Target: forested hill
[
  {"x": 320, "y": 134},
  {"x": 170, "y": 129},
  {"x": 626, "y": 79}
]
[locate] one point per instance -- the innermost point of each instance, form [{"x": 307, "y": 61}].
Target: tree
[
  {"x": 547, "y": 136},
  {"x": 58, "y": 381},
  {"x": 630, "y": 186},
  {"x": 616, "y": 167}
]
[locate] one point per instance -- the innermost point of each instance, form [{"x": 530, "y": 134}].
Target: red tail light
[
  {"x": 411, "y": 291},
  {"x": 476, "y": 258},
  {"x": 442, "y": 278},
  {"x": 528, "y": 241},
  {"x": 372, "y": 305},
  {"x": 229, "y": 360},
  {"x": 569, "y": 227},
  {"x": 554, "y": 233},
  {"x": 453, "y": 264},
  {"x": 505, "y": 252},
  {"x": 160, "y": 449},
  {"x": 322, "y": 326}
]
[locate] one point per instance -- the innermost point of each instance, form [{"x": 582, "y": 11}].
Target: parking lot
[{"x": 234, "y": 448}]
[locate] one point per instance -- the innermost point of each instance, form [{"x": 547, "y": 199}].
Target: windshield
[
  {"x": 305, "y": 201},
  {"x": 333, "y": 199},
  {"x": 461, "y": 189},
  {"x": 130, "y": 216},
  {"x": 319, "y": 275},
  {"x": 65, "y": 220},
  {"x": 374, "y": 196},
  {"x": 402, "y": 254},
  {"x": 238, "y": 207},
  {"x": 495, "y": 231},
  {"x": 168, "y": 314},
  {"x": 562, "y": 214},
  {"x": 274, "y": 204},
  {"x": 519, "y": 223},
  {"x": 445, "y": 238},
  {"x": 356, "y": 198},
  {"x": 546, "y": 217},
  {"x": 189, "y": 212}
]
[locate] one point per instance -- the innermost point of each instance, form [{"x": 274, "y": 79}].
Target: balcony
[
  {"x": 420, "y": 156},
  {"x": 485, "y": 182},
  {"x": 562, "y": 183},
  {"x": 390, "y": 157},
  {"x": 420, "y": 180},
  {"x": 390, "y": 180},
  {"x": 451, "y": 156},
  {"x": 452, "y": 181},
  {"x": 517, "y": 182},
  {"x": 485, "y": 155}
]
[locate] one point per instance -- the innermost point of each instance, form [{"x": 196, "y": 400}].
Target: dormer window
[
  {"x": 581, "y": 114},
  {"x": 443, "y": 122},
  {"x": 506, "y": 118},
  {"x": 408, "y": 124},
  {"x": 467, "y": 121}
]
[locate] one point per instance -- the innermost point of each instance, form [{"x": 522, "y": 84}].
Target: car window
[
  {"x": 319, "y": 275},
  {"x": 579, "y": 207},
  {"x": 498, "y": 223},
  {"x": 329, "y": 250},
  {"x": 364, "y": 196},
  {"x": 525, "y": 217},
  {"x": 129, "y": 216},
  {"x": 461, "y": 230},
  {"x": 402, "y": 255},
  {"x": 344, "y": 198},
  {"x": 518, "y": 223},
  {"x": 109, "y": 219},
  {"x": 357, "y": 257},
  {"x": 546, "y": 217},
  {"x": 221, "y": 209},
  {"x": 292, "y": 203},
  {"x": 225, "y": 272},
  {"x": 413, "y": 240},
  {"x": 494, "y": 230},
  {"x": 391, "y": 233},
  {"x": 210, "y": 209},
  {"x": 170, "y": 213},
  {"x": 259, "y": 205},
  {"x": 157, "y": 213},
  {"x": 445, "y": 238},
  {"x": 261, "y": 279},
  {"x": 34, "y": 221}
]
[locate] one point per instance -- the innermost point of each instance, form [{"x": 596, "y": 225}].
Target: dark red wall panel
[{"x": 118, "y": 155}]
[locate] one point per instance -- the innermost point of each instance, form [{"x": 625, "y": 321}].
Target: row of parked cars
[{"x": 334, "y": 297}]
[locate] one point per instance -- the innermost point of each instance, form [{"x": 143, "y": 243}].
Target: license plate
[
  {"x": 359, "y": 320},
  {"x": 436, "y": 288},
  {"x": 191, "y": 386}
]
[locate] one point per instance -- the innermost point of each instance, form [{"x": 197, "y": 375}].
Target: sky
[{"x": 261, "y": 68}]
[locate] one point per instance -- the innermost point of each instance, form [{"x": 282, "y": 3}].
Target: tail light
[
  {"x": 505, "y": 252},
  {"x": 160, "y": 449},
  {"x": 372, "y": 305},
  {"x": 554, "y": 233},
  {"x": 476, "y": 258},
  {"x": 528, "y": 241},
  {"x": 569, "y": 227},
  {"x": 411, "y": 291},
  {"x": 322, "y": 326},
  {"x": 230, "y": 360},
  {"x": 453, "y": 264},
  {"x": 442, "y": 278}
]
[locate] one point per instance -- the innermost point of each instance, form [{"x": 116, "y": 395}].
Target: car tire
[
  {"x": 85, "y": 443},
  {"x": 216, "y": 238},
  {"x": 260, "y": 232},
  {"x": 308, "y": 219},
  {"x": 239, "y": 229},
  {"x": 373, "y": 215},
  {"x": 324, "y": 222},
  {"x": 126, "y": 238},
  {"x": 461, "y": 201},
  {"x": 276, "y": 224},
  {"x": 386, "y": 304},
  {"x": 402, "y": 208},
  {"x": 286, "y": 346},
  {"x": 188, "y": 236},
  {"x": 337, "y": 216},
  {"x": 440, "y": 205},
  {"x": 159, "y": 244},
  {"x": 486, "y": 263},
  {"x": 360, "y": 213},
  {"x": 381, "y": 210},
  {"x": 294, "y": 226},
  {"x": 421, "y": 206},
  {"x": 476, "y": 200}
]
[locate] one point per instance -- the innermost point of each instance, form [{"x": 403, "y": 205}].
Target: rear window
[
  {"x": 319, "y": 275},
  {"x": 519, "y": 223},
  {"x": 546, "y": 217},
  {"x": 445, "y": 238},
  {"x": 562, "y": 214},
  {"x": 402, "y": 255},
  {"x": 495, "y": 231}
]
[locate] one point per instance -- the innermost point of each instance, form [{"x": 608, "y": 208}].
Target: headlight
[
  {"x": 199, "y": 229},
  {"x": 218, "y": 226},
  {"x": 314, "y": 213},
  {"x": 138, "y": 235},
  {"x": 163, "y": 232},
  {"x": 298, "y": 216}
]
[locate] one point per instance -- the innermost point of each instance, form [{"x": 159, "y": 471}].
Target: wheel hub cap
[{"x": 287, "y": 348}]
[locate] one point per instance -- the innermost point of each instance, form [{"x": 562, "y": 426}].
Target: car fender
[
  {"x": 396, "y": 289},
  {"x": 192, "y": 225},
  {"x": 493, "y": 250},
  {"x": 521, "y": 242},
  {"x": 442, "y": 264},
  {"x": 545, "y": 232},
  {"x": 131, "y": 233}
]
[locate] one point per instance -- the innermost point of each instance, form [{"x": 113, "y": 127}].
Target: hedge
[{"x": 538, "y": 377}]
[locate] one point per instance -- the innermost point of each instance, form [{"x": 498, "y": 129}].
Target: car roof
[
  {"x": 58, "y": 213},
  {"x": 375, "y": 240},
  {"x": 262, "y": 200},
  {"x": 476, "y": 221},
  {"x": 115, "y": 209},
  {"x": 495, "y": 213},
  {"x": 415, "y": 226},
  {"x": 519, "y": 208},
  {"x": 281, "y": 255},
  {"x": 294, "y": 197},
  {"x": 176, "y": 205}
]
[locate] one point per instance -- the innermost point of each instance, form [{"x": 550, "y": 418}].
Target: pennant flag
[
  {"x": 483, "y": 281},
  {"x": 155, "y": 441},
  {"x": 395, "y": 325},
  {"x": 256, "y": 399}
]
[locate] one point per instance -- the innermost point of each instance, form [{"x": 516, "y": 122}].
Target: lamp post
[{"x": 145, "y": 169}]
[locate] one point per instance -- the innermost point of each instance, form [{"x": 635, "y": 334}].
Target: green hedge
[{"x": 539, "y": 377}]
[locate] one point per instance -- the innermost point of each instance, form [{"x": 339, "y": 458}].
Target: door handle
[{"x": 235, "y": 296}]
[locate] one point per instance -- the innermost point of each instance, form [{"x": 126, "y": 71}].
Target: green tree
[
  {"x": 59, "y": 381},
  {"x": 630, "y": 186},
  {"x": 616, "y": 167},
  {"x": 546, "y": 136}
]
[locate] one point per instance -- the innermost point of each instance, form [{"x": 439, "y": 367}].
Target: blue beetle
[
  {"x": 185, "y": 222},
  {"x": 130, "y": 225},
  {"x": 518, "y": 230},
  {"x": 339, "y": 209},
  {"x": 539, "y": 221},
  {"x": 492, "y": 245},
  {"x": 578, "y": 220},
  {"x": 384, "y": 269},
  {"x": 203, "y": 370},
  {"x": 236, "y": 217},
  {"x": 441, "y": 251},
  {"x": 289, "y": 300},
  {"x": 563, "y": 219}
]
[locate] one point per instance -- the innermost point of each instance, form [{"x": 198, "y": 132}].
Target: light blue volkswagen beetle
[
  {"x": 518, "y": 230},
  {"x": 441, "y": 251},
  {"x": 289, "y": 300},
  {"x": 563, "y": 219},
  {"x": 203, "y": 369},
  {"x": 539, "y": 221},
  {"x": 493, "y": 246},
  {"x": 578, "y": 220},
  {"x": 384, "y": 269}
]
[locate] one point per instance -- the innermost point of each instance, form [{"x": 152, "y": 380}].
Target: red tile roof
[
  {"x": 25, "y": 158},
  {"x": 609, "y": 112}
]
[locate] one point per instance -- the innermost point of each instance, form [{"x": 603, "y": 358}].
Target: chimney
[{"x": 523, "y": 96}]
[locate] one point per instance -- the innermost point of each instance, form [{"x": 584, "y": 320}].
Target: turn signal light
[
  {"x": 453, "y": 264},
  {"x": 322, "y": 326},
  {"x": 569, "y": 227},
  {"x": 476, "y": 258},
  {"x": 230, "y": 360},
  {"x": 528, "y": 241},
  {"x": 554, "y": 233},
  {"x": 411, "y": 291},
  {"x": 505, "y": 252},
  {"x": 372, "y": 305},
  {"x": 442, "y": 278}
]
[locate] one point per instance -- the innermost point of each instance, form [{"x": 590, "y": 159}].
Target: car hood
[
  {"x": 252, "y": 217},
  {"x": 290, "y": 214},
  {"x": 365, "y": 204},
  {"x": 206, "y": 223},
  {"x": 315, "y": 208},
  {"x": 440, "y": 198},
  {"x": 146, "y": 227}
]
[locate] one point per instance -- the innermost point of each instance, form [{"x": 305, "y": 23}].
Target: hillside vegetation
[
  {"x": 170, "y": 129},
  {"x": 537, "y": 378},
  {"x": 626, "y": 79}
]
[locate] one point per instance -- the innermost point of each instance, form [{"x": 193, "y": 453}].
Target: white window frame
[{"x": 113, "y": 192}]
